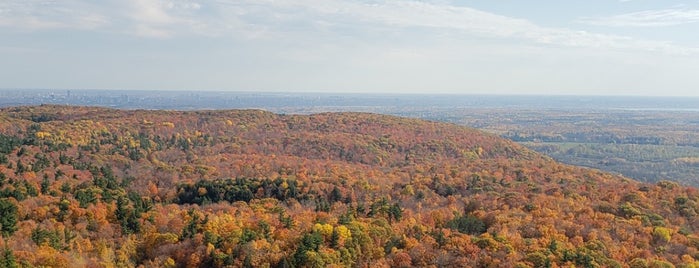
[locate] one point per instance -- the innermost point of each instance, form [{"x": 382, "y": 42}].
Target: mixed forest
[{"x": 97, "y": 187}]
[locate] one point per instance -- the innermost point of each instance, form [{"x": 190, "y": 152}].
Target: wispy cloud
[
  {"x": 150, "y": 18},
  {"x": 308, "y": 19},
  {"x": 158, "y": 18},
  {"x": 42, "y": 15},
  {"x": 648, "y": 18},
  {"x": 455, "y": 21}
]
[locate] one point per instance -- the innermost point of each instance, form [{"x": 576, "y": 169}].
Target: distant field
[
  {"x": 646, "y": 145},
  {"x": 639, "y": 161}
]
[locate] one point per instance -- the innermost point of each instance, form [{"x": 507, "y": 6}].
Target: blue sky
[{"x": 593, "y": 47}]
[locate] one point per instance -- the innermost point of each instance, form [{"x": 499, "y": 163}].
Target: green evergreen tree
[
  {"x": 7, "y": 259},
  {"x": 8, "y": 217},
  {"x": 45, "y": 184}
]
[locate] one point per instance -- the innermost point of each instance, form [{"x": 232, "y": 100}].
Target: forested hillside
[{"x": 95, "y": 187}]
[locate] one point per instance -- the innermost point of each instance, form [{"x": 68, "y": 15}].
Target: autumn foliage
[{"x": 94, "y": 187}]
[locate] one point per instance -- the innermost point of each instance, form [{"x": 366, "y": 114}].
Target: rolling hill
[{"x": 96, "y": 187}]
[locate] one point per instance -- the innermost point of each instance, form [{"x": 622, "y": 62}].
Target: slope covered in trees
[{"x": 97, "y": 187}]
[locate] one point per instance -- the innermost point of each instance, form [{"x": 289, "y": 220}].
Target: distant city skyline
[{"x": 598, "y": 47}]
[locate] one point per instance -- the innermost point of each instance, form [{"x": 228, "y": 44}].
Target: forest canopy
[{"x": 95, "y": 187}]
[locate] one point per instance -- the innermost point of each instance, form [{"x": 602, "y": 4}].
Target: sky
[{"x": 574, "y": 47}]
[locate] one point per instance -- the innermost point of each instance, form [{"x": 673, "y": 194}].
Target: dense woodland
[{"x": 95, "y": 187}]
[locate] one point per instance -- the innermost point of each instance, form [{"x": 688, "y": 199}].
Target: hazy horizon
[
  {"x": 331, "y": 92},
  {"x": 587, "y": 48},
  {"x": 327, "y": 101}
]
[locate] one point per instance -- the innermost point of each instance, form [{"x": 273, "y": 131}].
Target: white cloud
[
  {"x": 159, "y": 18},
  {"x": 46, "y": 15},
  {"x": 150, "y": 18},
  {"x": 151, "y": 12},
  {"x": 457, "y": 22},
  {"x": 648, "y": 18},
  {"x": 313, "y": 19}
]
